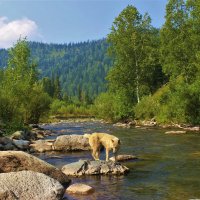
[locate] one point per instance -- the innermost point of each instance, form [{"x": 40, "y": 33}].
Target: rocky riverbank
[{"x": 24, "y": 176}]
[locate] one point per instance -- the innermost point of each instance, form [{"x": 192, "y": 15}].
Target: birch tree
[{"x": 135, "y": 52}]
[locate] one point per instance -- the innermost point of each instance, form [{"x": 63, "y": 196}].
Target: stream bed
[{"x": 168, "y": 166}]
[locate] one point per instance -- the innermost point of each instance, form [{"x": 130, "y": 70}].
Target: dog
[{"x": 109, "y": 142}]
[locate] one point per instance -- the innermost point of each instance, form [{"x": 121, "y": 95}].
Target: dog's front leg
[
  {"x": 115, "y": 156},
  {"x": 107, "y": 154},
  {"x": 115, "y": 152}
]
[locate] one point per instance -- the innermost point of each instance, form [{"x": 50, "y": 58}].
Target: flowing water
[{"x": 168, "y": 166}]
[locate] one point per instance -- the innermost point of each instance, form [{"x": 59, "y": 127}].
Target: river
[{"x": 168, "y": 166}]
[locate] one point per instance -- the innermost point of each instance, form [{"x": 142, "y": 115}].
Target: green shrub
[
  {"x": 167, "y": 105},
  {"x": 38, "y": 105},
  {"x": 61, "y": 108},
  {"x": 56, "y": 106},
  {"x": 112, "y": 107},
  {"x": 147, "y": 108}
]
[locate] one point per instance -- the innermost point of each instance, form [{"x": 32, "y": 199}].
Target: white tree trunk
[{"x": 137, "y": 83}]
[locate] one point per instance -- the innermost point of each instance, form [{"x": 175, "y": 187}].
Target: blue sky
[{"x": 64, "y": 21}]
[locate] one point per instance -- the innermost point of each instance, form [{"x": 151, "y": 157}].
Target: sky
[{"x": 64, "y": 21}]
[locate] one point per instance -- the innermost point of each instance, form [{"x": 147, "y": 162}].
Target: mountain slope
[{"x": 79, "y": 66}]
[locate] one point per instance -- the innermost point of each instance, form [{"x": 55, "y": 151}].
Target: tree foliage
[
  {"x": 22, "y": 99},
  {"x": 134, "y": 44}
]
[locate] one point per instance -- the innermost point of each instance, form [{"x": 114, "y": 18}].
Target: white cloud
[{"x": 11, "y": 31}]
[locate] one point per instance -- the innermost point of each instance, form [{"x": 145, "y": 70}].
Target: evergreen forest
[{"x": 79, "y": 66}]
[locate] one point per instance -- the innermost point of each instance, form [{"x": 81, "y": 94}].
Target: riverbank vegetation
[
  {"x": 22, "y": 99},
  {"x": 154, "y": 74}
]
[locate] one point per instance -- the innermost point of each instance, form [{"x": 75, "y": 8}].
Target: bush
[
  {"x": 112, "y": 107},
  {"x": 39, "y": 105},
  {"x": 147, "y": 108},
  {"x": 61, "y": 108},
  {"x": 11, "y": 117},
  {"x": 167, "y": 105},
  {"x": 57, "y": 106}
]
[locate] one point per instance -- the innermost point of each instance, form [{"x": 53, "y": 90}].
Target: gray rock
[
  {"x": 21, "y": 144},
  {"x": 71, "y": 143},
  {"x": 13, "y": 161},
  {"x": 121, "y": 158},
  {"x": 94, "y": 167},
  {"x": 79, "y": 188},
  {"x": 7, "y": 144},
  {"x": 85, "y": 167},
  {"x": 26, "y": 185},
  {"x": 75, "y": 169}
]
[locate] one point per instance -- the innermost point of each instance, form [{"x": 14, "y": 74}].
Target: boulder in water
[
  {"x": 42, "y": 145},
  {"x": 121, "y": 158},
  {"x": 71, "y": 143},
  {"x": 26, "y": 185},
  {"x": 21, "y": 144},
  {"x": 86, "y": 167},
  {"x": 13, "y": 161},
  {"x": 79, "y": 188}
]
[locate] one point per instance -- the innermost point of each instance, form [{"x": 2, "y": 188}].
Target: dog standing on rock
[{"x": 97, "y": 140}]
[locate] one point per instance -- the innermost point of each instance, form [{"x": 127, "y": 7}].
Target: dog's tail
[{"x": 87, "y": 136}]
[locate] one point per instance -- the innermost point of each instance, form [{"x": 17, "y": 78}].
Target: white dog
[{"x": 97, "y": 140}]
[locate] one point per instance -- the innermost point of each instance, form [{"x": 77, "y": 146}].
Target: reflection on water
[{"x": 168, "y": 166}]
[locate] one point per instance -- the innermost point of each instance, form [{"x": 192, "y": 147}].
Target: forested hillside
[{"x": 80, "y": 67}]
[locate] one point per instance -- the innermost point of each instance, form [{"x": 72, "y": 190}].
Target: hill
[{"x": 79, "y": 66}]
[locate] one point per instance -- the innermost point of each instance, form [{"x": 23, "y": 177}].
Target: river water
[{"x": 168, "y": 166}]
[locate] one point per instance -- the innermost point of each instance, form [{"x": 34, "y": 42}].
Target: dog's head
[{"x": 115, "y": 144}]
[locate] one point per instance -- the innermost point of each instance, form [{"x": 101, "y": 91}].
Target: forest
[
  {"x": 137, "y": 72},
  {"x": 79, "y": 66}
]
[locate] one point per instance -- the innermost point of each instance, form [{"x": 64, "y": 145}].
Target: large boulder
[
  {"x": 13, "y": 161},
  {"x": 85, "y": 167},
  {"x": 71, "y": 143},
  {"x": 29, "y": 185},
  {"x": 42, "y": 145}
]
